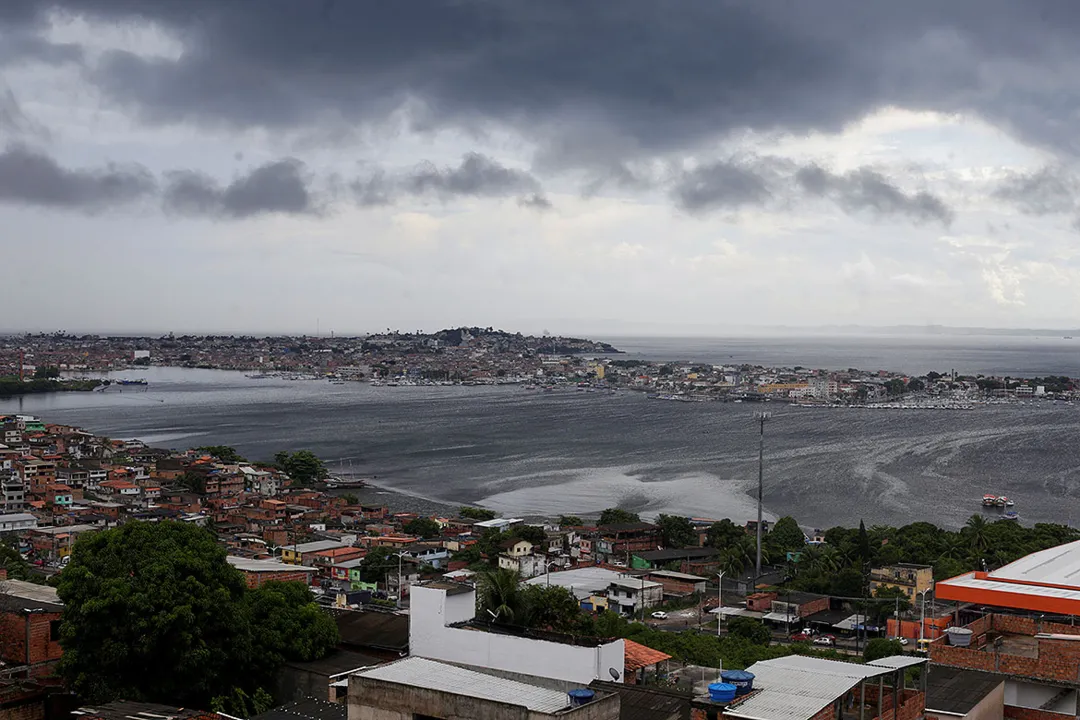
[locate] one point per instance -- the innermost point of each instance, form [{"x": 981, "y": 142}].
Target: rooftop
[
  {"x": 958, "y": 691},
  {"x": 626, "y": 527},
  {"x": 634, "y": 583},
  {"x": 797, "y": 687},
  {"x": 431, "y": 675},
  {"x": 307, "y": 709},
  {"x": 639, "y": 656},
  {"x": 30, "y": 592},
  {"x": 315, "y": 546},
  {"x": 671, "y": 574},
  {"x": 250, "y": 565},
  {"x": 128, "y": 710},
  {"x": 582, "y": 581}
]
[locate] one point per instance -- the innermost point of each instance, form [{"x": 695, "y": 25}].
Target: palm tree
[
  {"x": 500, "y": 596},
  {"x": 976, "y": 531}
]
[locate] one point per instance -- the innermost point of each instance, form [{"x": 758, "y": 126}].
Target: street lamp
[
  {"x": 922, "y": 620},
  {"x": 719, "y": 601},
  {"x": 547, "y": 568}
]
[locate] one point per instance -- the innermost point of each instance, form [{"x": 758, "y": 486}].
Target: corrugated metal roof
[
  {"x": 252, "y": 565},
  {"x": 432, "y": 675},
  {"x": 969, "y": 581},
  {"x": 898, "y": 661},
  {"x": 797, "y": 687},
  {"x": 1056, "y": 566}
]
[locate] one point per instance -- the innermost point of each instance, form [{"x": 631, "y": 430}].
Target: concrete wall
[
  {"x": 429, "y": 637},
  {"x": 376, "y": 700},
  {"x": 1032, "y": 695}
]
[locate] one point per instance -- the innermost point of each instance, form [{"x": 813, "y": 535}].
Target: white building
[
  {"x": 17, "y": 521},
  {"x": 437, "y": 606},
  {"x": 628, "y": 595}
]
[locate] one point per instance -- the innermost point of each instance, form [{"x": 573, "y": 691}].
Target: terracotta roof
[{"x": 639, "y": 656}]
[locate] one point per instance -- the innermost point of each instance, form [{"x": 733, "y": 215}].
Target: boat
[
  {"x": 336, "y": 483},
  {"x": 1011, "y": 515},
  {"x": 337, "y": 381},
  {"x": 1002, "y": 502},
  {"x": 139, "y": 381},
  {"x": 989, "y": 500}
]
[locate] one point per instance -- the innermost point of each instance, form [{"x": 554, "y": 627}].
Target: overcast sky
[{"x": 293, "y": 165}]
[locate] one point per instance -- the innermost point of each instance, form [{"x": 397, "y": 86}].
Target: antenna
[{"x": 761, "y": 418}]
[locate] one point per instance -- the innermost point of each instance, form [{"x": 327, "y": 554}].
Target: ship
[{"x": 138, "y": 381}]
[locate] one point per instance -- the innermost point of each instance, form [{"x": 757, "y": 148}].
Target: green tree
[
  {"x": 475, "y": 513},
  {"x": 303, "y": 466},
  {"x": 193, "y": 482},
  {"x": 900, "y": 602},
  {"x": 977, "y": 532},
  {"x": 374, "y": 566},
  {"x": 532, "y": 533},
  {"x": 13, "y": 563},
  {"x": 915, "y": 385},
  {"x": 287, "y": 625},
  {"x": 239, "y": 704},
  {"x": 879, "y": 648},
  {"x": 615, "y": 516},
  {"x": 753, "y": 630},
  {"x": 46, "y": 372},
  {"x": 676, "y": 531},
  {"x": 786, "y": 534},
  {"x": 224, "y": 453},
  {"x": 500, "y": 597},
  {"x": 848, "y": 583},
  {"x": 864, "y": 543},
  {"x": 724, "y": 533},
  {"x": 350, "y": 499},
  {"x": 152, "y": 611},
  {"x": 570, "y": 521},
  {"x": 423, "y": 527}
]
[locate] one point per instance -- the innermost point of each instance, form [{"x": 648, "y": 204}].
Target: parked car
[
  {"x": 901, "y": 640},
  {"x": 800, "y": 637},
  {"x": 825, "y": 640},
  {"x": 660, "y": 615}
]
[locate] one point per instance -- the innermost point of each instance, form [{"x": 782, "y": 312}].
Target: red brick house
[{"x": 30, "y": 626}]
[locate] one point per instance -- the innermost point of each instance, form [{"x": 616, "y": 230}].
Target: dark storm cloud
[
  {"x": 28, "y": 177},
  {"x": 768, "y": 181},
  {"x": 866, "y": 189},
  {"x": 276, "y": 187},
  {"x": 476, "y": 176},
  {"x": 1049, "y": 190},
  {"x": 653, "y": 78},
  {"x": 722, "y": 185}
]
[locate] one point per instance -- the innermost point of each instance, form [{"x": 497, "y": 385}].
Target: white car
[
  {"x": 901, "y": 640},
  {"x": 660, "y": 615}
]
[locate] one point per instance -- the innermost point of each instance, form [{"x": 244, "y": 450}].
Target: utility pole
[{"x": 760, "y": 418}]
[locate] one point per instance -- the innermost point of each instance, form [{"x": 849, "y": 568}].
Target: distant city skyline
[{"x": 584, "y": 168}]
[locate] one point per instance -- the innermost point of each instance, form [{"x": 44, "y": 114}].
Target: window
[{"x": 54, "y": 630}]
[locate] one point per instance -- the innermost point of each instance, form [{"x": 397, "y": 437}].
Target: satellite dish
[{"x": 614, "y": 674}]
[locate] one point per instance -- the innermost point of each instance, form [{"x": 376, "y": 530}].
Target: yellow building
[{"x": 912, "y": 579}]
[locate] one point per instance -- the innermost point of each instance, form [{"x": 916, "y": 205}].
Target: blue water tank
[
  {"x": 742, "y": 680},
  {"x": 581, "y": 696},
  {"x": 721, "y": 692}
]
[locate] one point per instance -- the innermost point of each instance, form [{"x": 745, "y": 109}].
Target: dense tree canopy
[
  {"x": 615, "y": 516},
  {"x": 879, "y": 648},
  {"x": 303, "y": 466},
  {"x": 224, "y": 453},
  {"x": 570, "y": 521},
  {"x": 786, "y": 535},
  {"x": 475, "y": 513},
  {"x": 422, "y": 526},
  {"x": 152, "y": 611},
  {"x": 676, "y": 531}
]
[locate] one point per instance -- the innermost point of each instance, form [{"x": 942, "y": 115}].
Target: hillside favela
[{"x": 460, "y": 360}]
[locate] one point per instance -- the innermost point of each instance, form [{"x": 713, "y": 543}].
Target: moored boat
[
  {"x": 989, "y": 500},
  {"x": 1011, "y": 515}
]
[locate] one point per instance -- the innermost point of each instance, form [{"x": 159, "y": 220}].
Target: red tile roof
[{"x": 638, "y": 656}]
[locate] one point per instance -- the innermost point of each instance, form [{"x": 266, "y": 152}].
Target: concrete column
[
  {"x": 862, "y": 699},
  {"x": 880, "y": 692}
]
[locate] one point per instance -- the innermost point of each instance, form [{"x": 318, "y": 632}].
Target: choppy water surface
[{"x": 543, "y": 453}]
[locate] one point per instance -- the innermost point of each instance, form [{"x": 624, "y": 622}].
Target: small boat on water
[
  {"x": 1005, "y": 502},
  {"x": 336, "y": 483},
  {"x": 1011, "y": 515},
  {"x": 989, "y": 500}
]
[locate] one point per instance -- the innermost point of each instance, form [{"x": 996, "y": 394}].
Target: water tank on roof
[
  {"x": 581, "y": 696},
  {"x": 960, "y": 637},
  {"x": 742, "y": 680},
  {"x": 721, "y": 692}
]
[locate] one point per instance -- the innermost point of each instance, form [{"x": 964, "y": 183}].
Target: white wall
[
  {"x": 1033, "y": 695},
  {"x": 431, "y": 610}
]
